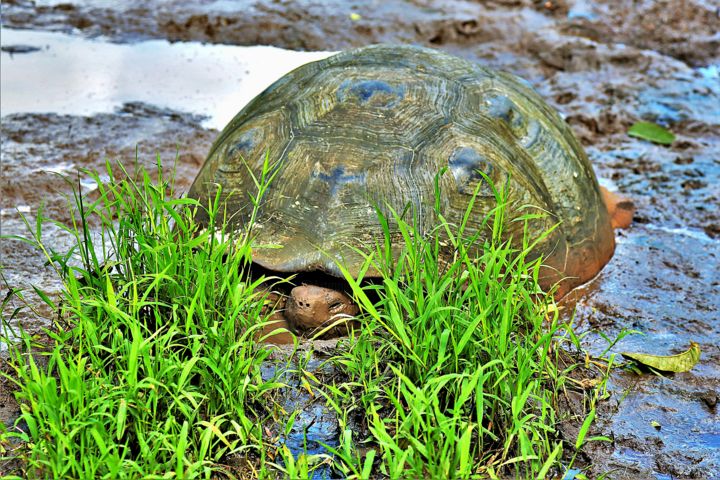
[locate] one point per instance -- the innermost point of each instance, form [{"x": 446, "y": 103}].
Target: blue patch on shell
[
  {"x": 243, "y": 145},
  {"x": 501, "y": 107},
  {"x": 466, "y": 164},
  {"x": 374, "y": 92},
  {"x": 532, "y": 135},
  {"x": 527, "y": 132},
  {"x": 337, "y": 178}
]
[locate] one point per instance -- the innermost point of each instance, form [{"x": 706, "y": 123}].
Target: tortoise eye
[{"x": 336, "y": 305}]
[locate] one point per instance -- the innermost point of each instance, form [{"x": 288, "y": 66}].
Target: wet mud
[
  {"x": 686, "y": 29},
  {"x": 603, "y": 65}
]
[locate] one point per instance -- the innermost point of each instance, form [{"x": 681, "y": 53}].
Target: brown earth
[
  {"x": 686, "y": 30},
  {"x": 603, "y": 65}
]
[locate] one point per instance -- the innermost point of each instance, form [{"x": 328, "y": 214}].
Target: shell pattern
[{"x": 372, "y": 127}]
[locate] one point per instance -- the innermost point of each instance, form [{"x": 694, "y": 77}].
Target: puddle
[
  {"x": 77, "y": 76},
  {"x": 581, "y": 10},
  {"x": 13, "y": 211},
  {"x": 685, "y": 231},
  {"x": 315, "y": 426},
  {"x": 711, "y": 72},
  {"x": 711, "y": 440}
]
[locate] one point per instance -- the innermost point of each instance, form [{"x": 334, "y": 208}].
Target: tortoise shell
[{"x": 372, "y": 127}]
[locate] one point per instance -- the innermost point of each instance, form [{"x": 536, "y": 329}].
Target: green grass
[
  {"x": 455, "y": 371},
  {"x": 153, "y": 369}
]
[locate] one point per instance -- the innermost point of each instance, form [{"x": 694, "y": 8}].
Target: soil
[{"x": 603, "y": 65}]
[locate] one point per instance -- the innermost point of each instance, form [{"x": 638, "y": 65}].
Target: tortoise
[{"x": 373, "y": 127}]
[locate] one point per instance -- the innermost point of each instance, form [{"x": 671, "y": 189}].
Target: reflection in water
[
  {"x": 711, "y": 72},
  {"x": 73, "y": 75}
]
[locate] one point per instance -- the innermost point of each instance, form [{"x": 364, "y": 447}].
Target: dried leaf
[
  {"x": 652, "y": 132},
  {"x": 681, "y": 362}
]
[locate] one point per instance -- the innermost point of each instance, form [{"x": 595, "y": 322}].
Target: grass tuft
[
  {"x": 455, "y": 371},
  {"x": 152, "y": 365},
  {"x": 153, "y": 369}
]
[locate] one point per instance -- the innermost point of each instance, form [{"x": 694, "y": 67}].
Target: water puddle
[
  {"x": 693, "y": 233},
  {"x": 15, "y": 210},
  {"x": 77, "y": 76},
  {"x": 315, "y": 426},
  {"x": 711, "y": 72},
  {"x": 582, "y": 10}
]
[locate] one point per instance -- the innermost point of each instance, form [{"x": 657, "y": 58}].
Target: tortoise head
[{"x": 310, "y": 307}]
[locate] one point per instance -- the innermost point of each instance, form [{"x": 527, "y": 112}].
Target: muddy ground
[{"x": 603, "y": 65}]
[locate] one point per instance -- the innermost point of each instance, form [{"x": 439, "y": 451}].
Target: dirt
[
  {"x": 42, "y": 155},
  {"x": 603, "y": 65},
  {"x": 686, "y": 30}
]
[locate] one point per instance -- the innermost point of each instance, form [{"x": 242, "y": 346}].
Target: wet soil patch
[
  {"x": 687, "y": 30},
  {"x": 19, "y": 49},
  {"x": 41, "y": 149}
]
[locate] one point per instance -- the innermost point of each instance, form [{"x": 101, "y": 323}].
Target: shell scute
[{"x": 466, "y": 165}]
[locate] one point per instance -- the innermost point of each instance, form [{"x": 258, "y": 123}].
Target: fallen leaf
[
  {"x": 355, "y": 17},
  {"x": 652, "y": 132},
  {"x": 307, "y": 386},
  {"x": 681, "y": 362},
  {"x": 589, "y": 383},
  {"x": 656, "y": 425}
]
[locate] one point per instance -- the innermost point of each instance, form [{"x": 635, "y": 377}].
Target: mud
[
  {"x": 686, "y": 29},
  {"x": 43, "y": 153},
  {"x": 603, "y": 65}
]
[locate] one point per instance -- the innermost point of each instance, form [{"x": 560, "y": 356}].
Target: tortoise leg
[
  {"x": 621, "y": 209},
  {"x": 276, "y": 322},
  {"x": 275, "y": 302}
]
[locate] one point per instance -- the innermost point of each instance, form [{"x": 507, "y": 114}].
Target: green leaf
[
  {"x": 682, "y": 362},
  {"x": 45, "y": 298},
  {"x": 550, "y": 461},
  {"x": 121, "y": 417},
  {"x": 367, "y": 465},
  {"x": 652, "y": 132},
  {"x": 584, "y": 429}
]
